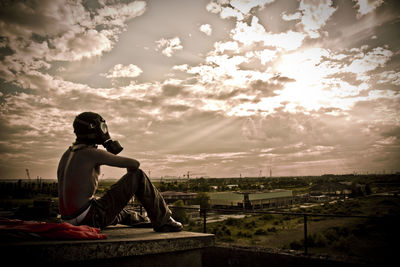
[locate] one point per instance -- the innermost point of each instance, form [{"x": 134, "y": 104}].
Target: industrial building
[
  {"x": 251, "y": 200},
  {"x": 172, "y": 196}
]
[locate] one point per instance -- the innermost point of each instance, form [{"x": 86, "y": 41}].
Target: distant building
[
  {"x": 331, "y": 189},
  {"x": 172, "y": 196},
  {"x": 251, "y": 200}
]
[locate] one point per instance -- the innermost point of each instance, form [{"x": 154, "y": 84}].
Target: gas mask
[{"x": 100, "y": 135}]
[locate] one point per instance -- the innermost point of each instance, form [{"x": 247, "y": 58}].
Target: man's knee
[
  {"x": 137, "y": 174},
  {"x": 135, "y": 171},
  {"x": 132, "y": 170}
]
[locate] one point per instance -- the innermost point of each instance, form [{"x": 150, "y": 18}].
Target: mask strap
[
  {"x": 91, "y": 125},
  {"x": 89, "y": 136}
]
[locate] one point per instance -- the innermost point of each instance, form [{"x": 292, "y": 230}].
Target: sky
[{"x": 221, "y": 88}]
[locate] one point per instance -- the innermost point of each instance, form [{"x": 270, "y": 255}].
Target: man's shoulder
[{"x": 93, "y": 150}]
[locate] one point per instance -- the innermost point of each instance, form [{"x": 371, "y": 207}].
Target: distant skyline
[{"x": 217, "y": 88}]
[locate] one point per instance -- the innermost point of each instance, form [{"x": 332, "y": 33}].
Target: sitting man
[{"x": 78, "y": 173}]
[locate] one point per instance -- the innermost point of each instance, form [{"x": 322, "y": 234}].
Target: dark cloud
[
  {"x": 348, "y": 77},
  {"x": 265, "y": 89},
  {"x": 347, "y": 31},
  {"x": 225, "y": 95},
  {"x": 171, "y": 108},
  {"x": 393, "y": 132},
  {"x": 172, "y": 90},
  {"x": 9, "y": 132},
  {"x": 256, "y": 88},
  {"x": 330, "y": 110},
  {"x": 4, "y": 49},
  {"x": 34, "y": 16}
]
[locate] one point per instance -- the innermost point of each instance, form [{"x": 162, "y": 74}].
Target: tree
[
  {"x": 203, "y": 199},
  {"x": 179, "y": 213}
]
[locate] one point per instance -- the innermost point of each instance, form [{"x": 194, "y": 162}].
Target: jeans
[{"x": 109, "y": 209}]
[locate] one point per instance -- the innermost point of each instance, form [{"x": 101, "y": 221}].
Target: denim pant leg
[{"x": 117, "y": 197}]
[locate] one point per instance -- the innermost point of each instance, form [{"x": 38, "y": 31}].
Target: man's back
[{"x": 77, "y": 175}]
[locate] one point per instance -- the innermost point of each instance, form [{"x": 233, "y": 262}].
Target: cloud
[
  {"x": 364, "y": 62},
  {"x": 367, "y": 6},
  {"x": 288, "y": 137},
  {"x": 73, "y": 46},
  {"x": 228, "y": 12},
  {"x": 63, "y": 30},
  {"x": 289, "y": 17},
  {"x": 315, "y": 15},
  {"x": 300, "y": 81},
  {"x": 245, "y": 6},
  {"x": 221, "y": 47},
  {"x": 265, "y": 88},
  {"x": 121, "y": 71},
  {"x": 266, "y": 55},
  {"x": 390, "y": 77},
  {"x": 46, "y": 18},
  {"x": 169, "y": 46},
  {"x": 183, "y": 67},
  {"x": 255, "y": 33},
  {"x": 239, "y": 9},
  {"x": 118, "y": 14},
  {"x": 57, "y": 31},
  {"x": 206, "y": 28},
  {"x": 214, "y": 7}
]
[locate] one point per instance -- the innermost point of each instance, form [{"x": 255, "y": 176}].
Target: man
[{"x": 78, "y": 173}]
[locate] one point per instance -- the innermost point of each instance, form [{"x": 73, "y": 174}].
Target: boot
[{"x": 170, "y": 226}]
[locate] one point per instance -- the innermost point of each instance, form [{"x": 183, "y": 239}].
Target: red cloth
[{"x": 52, "y": 230}]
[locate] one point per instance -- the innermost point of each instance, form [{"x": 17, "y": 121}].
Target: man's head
[{"x": 90, "y": 128}]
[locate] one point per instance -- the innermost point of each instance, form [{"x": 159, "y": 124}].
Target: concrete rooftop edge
[{"x": 121, "y": 242}]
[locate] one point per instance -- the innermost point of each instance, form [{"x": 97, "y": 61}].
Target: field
[{"x": 367, "y": 239}]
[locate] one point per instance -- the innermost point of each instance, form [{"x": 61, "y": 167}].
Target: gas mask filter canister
[{"x": 113, "y": 146}]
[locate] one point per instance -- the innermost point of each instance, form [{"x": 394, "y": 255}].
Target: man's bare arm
[{"x": 109, "y": 159}]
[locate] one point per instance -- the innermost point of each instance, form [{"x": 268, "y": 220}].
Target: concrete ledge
[{"x": 122, "y": 242}]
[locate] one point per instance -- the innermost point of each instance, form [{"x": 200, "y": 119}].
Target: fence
[{"x": 204, "y": 212}]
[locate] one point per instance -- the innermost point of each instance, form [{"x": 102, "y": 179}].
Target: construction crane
[
  {"x": 187, "y": 175},
  {"x": 27, "y": 174}
]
